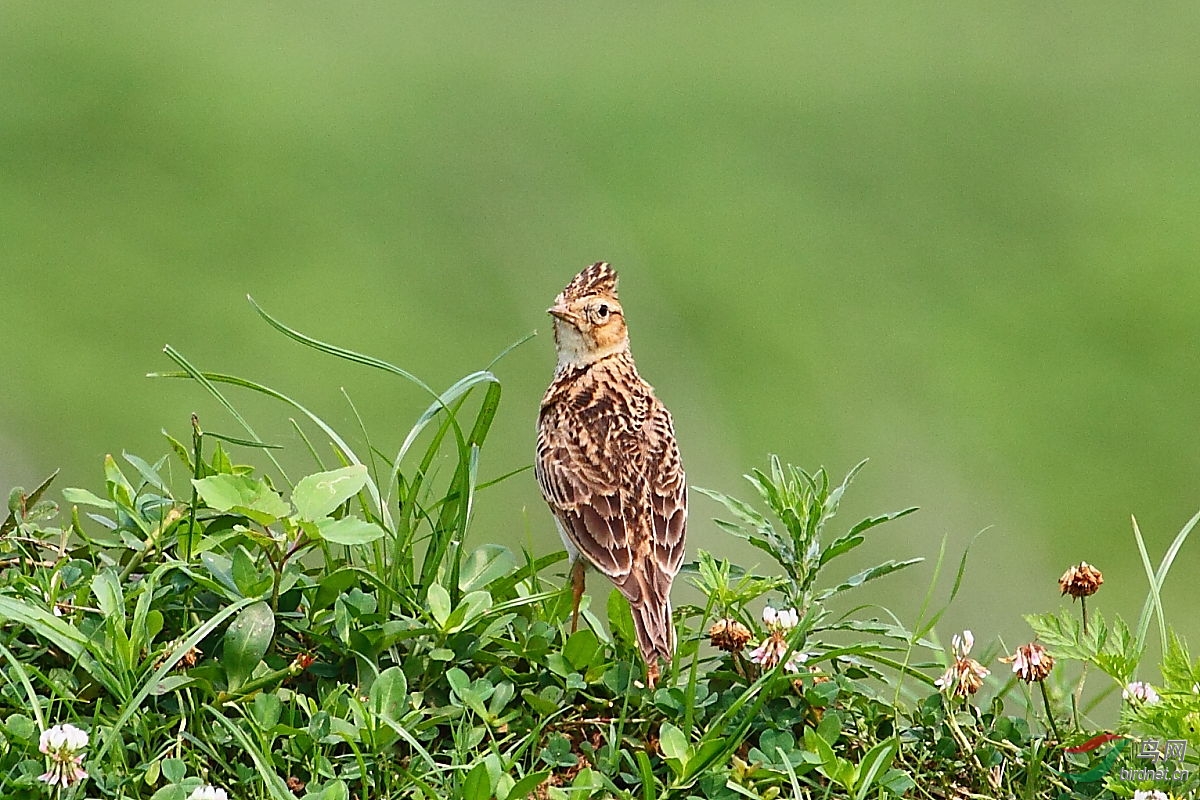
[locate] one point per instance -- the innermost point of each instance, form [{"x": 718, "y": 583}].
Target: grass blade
[
  {"x": 1157, "y": 578},
  {"x": 61, "y": 634},
  {"x": 206, "y": 380},
  {"x": 31, "y": 696},
  {"x": 274, "y": 784},
  {"x": 339, "y": 352}
]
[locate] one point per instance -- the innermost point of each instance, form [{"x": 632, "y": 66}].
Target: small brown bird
[{"x": 607, "y": 462}]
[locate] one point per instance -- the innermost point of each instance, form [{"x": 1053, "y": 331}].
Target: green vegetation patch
[{"x": 204, "y": 628}]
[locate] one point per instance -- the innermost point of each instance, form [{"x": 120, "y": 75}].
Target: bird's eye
[{"x": 602, "y": 311}]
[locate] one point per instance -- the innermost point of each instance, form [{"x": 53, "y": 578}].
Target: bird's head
[{"x": 588, "y": 322}]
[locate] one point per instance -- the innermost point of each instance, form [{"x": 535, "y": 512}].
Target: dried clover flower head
[
  {"x": 729, "y": 635},
  {"x": 1031, "y": 662},
  {"x": 1139, "y": 692},
  {"x": 190, "y": 658},
  {"x": 965, "y": 675},
  {"x": 1081, "y": 580}
]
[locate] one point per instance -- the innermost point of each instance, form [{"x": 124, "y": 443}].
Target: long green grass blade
[
  {"x": 1153, "y": 600},
  {"x": 242, "y": 442},
  {"x": 339, "y": 352},
  {"x": 205, "y": 380},
  {"x": 273, "y": 783},
  {"x": 443, "y": 403},
  {"x": 510, "y": 348},
  {"x": 31, "y": 696},
  {"x": 64, "y": 636},
  {"x": 1157, "y": 578}
]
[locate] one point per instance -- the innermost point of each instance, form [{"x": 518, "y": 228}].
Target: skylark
[{"x": 608, "y": 465}]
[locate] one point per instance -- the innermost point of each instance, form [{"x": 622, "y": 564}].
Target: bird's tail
[{"x": 655, "y": 633}]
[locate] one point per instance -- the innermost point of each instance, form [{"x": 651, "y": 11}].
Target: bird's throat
[{"x": 577, "y": 350}]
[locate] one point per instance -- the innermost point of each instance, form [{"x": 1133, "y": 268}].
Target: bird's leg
[
  {"x": 577, "y": 581},
  {"x": 652, "y": 673}
]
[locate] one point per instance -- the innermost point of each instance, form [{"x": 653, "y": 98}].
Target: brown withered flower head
[
  {"x": 185, "y": 662},
  {"x": 1031, "y": 662},
  {"x": 963, "y": 677},
  {"x": 190, "y": 658},
  {"x": 1081, "y": 580},
  {"x": 729, "y": 635}
]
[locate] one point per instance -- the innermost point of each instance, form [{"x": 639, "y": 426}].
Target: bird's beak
[{"x": 561, "y": 312}]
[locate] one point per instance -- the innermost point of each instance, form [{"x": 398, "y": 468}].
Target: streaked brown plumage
[{"x": 607, "y": 462}]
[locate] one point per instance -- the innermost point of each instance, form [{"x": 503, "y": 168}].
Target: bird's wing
[
  {"x": 582, "y": 486},
  {"x": 661, "y": 512},
  {"x": 668, "y": 496}
]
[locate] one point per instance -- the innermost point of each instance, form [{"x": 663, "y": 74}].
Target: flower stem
[
  {"x": 271, "y": 679},
  {"x": 1083, "y": 608},
  {"x": 1079, "y": 693},
  {"x": 959, "y": 736},
  {"x": 150, "y": 543},
  {"x": 1049, "y": 713}
]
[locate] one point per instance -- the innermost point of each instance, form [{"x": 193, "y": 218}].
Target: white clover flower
[
  {"x": 780, "y": 619},
  {"x": 60, "y": 736},
  {"x": 1139, "y": 692},
  {"x": 1152, "y": 794},
  {"x": 965, "y": 675},
  {"x": 770, "y": 652},
  {"x": 62, "y": 744},
  {"x": 208, "y": 793},
  {"x": 788, "y": 619}
]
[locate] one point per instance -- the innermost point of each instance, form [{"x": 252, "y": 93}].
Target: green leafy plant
[
  {"x": 803, "y": 504},
  {"x": 206, "y": 619}
]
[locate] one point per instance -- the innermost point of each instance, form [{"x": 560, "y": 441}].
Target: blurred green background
[{"x": 959, "y": 240}]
